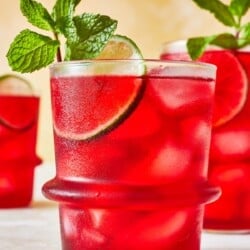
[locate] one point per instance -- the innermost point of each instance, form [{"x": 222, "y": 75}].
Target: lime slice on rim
[
  {"x": 102, "y": 99},
  {"x": 11, "y": 84},
  {"x": 120, "y": 47},
  {"x": 18, "y": 110},
  {"x": 231, "y": 85}
]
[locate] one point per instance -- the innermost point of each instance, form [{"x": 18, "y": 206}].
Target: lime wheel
[
  {"x": 120, "y": 47},
  {"x": 18, "y": 107},
  {"x": 86, "y": 107},
  {"x": 83, "y": 113},
  {"x": 231, "y": 85}
]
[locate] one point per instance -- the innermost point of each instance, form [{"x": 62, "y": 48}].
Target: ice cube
[
  {"x": 161, "y": 229},
  {"x": 180, "y": 95},
  {"x": 171, "y": 162},
  {"x": 234, "y": 144}
]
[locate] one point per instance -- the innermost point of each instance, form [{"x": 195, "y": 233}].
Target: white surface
[{"x": 37, "y": 227}]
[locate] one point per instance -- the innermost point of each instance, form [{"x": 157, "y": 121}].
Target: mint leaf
[
  {"x": 230, "y": 15},
  {"x": 85, "y": 35},
  {"x": 220, "y": 11},
  {"x": 37, "y": 14},
  {"x": 62, "y": 14},
  {"x": 67, "y": 27},
  {"x": 196, "y": 46},
  {"x": 239, "y": 7},
  {"x": 225, "y": 40},
  {"x": 64, "y": 8},
  {"x": 92, "y": 33},
  {"x": 245, "y": 31},
  {"x": 31, "y": 51},
  {"x": 244, "y": 36}
]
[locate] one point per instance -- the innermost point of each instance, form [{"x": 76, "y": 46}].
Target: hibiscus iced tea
[
  {"x": 18, "y": 134},
  {"x": 131, "y": 144},
  {"x": 229, "y": 165}
]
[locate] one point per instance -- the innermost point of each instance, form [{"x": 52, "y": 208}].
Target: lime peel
[
  {"x": 112, "y": 123},
  {"x": 11, "y": 84},
  {"x": 14, "y": 90},
  {"x": 124, "y": 50},
  {"x": 120, "y": 47}
]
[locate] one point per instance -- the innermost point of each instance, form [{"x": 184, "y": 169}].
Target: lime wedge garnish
[
  {"x": 11, "y": 84},
  {"x": 231, "y": 85},
  {"x": 18, "y": 106},
  {"x": 115, "y": 92},
  {"x": 120, "y": 47}
]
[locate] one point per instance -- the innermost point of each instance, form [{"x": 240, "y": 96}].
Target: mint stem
[
  {"x": 58, "y": 54},
  {"x": 237, "y": 35}
]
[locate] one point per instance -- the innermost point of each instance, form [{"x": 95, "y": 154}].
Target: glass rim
[
  {"x": 153, "y": 61},
  {"x": 175, "y": 46},
  {"x": 171, "y": 68},
  {"x": 179, "y": 45}
]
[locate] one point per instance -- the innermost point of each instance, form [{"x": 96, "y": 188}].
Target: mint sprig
[
  {"x": 37, "y": 15},
  {"x": 85, "y": 35},
  {"x": 31, "y": 51},
  {"x": 229, "y": 15},
  {"x": 95, "y": 32}
]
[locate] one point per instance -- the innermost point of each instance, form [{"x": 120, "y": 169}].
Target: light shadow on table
[{"x": 43, "y": 204}]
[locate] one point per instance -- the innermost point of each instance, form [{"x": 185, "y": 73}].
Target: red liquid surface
[
  {"x": 164, "y": 141},
  {"x": 17, "y": 155},
  {"x": 229, "y": 165}
]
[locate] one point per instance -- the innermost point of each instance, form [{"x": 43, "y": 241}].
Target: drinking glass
[
  {"x": 18, "y": 158},
  {"x": 229, "y": 165},
  {"x": 131, "y": 144}
]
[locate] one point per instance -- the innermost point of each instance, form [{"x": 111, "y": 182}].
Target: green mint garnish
[
  {"x": 85, "y": 35},
  {"x": 95, "y": 32},
  {"x": 31, "y": 51},
  {"x": 229, "y": 15}
]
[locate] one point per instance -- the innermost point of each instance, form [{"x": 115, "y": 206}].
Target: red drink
[
  {"x": 131, "y": 154},
  {"x": 229, "y": 165},
  {"x": 18, "y": 129}
]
